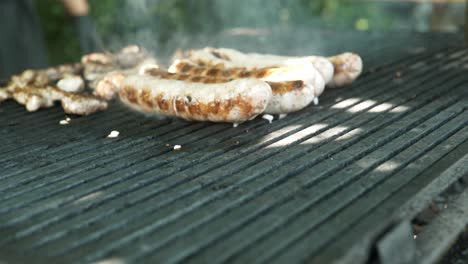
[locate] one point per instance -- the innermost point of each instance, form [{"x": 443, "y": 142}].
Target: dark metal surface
[
  {"x": 440, "y": 235},
  {"x": 319, "y": 185}
]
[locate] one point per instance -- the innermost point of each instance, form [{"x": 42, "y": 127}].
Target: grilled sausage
[
  {"x": 286, "y": 97},
  {"x": 234, "y": 58},
  {"x": 348, "y": 66},
  {"x": 302, "y": 72},
  {"x": 337, "y": 71},
  {"x": 289, "y": 97},
  {"x": 235, "y": 102},
  {"x": 108, "y": 85}
]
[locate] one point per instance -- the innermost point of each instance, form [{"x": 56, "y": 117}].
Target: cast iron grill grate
[{"x": 307, "y": 187}]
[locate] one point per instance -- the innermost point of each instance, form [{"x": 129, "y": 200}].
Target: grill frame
[{"x": 29, "y": 211}]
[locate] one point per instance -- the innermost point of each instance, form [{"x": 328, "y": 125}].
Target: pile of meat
[
  {"x": 217, "y": 85},
  {"x": 72, "y": 85}
]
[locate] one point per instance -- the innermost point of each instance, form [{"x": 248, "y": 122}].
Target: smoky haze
[
  {"x": 163, "y": 26},
  {"x": 290, "y": 27}
]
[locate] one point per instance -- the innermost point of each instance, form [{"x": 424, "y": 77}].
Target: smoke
[
  {"x": 289, "y": 27},
  {"x": 163, "y": 26},
  {"x": 133, "y": 22}
]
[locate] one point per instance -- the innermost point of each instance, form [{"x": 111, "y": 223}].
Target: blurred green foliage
[
  {"x": 58, "y": 32},
  {"x": 156, "y": 20},
  {"x": 118, "y": 18}
]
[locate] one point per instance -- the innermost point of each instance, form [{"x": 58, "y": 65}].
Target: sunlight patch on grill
[
  {"x": 346, "y": 103},
  {"x": 360, "y": 107},
  {"x": 88, "y": 198},
  {"x": 400, "y": 109},
  {"x": 381, "y": 108},
  {"x": 325, "y": 135},
  {"x": 351, "y": 134},
  {"x": 297, "y": 136},
  {"x": 387, "y": 166},
  {"x": 111, "y": 261}
]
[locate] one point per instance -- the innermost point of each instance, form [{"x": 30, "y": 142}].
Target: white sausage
[
  {"x": 235, "y": 58},
  {"x": 296, "y": 72},
  {"x": 337, "y": 71},
  {"x": 284, "y": 101},
  {"x": 348, "y": 66}
]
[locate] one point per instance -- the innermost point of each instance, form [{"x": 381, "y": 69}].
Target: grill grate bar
[
  {"x": 34, "y": 150},
  {"x": 42, "y": 117},
  {"x": 93, "y": 122},
  {"x": 319, "y": 189},
  {"x": 20, "y": 113},
  {"x": 45, "y": 117},
  {"x": 19, "y": 186},
  {"x": 315, "y": 241},
  {"x": 375, "y": 77},
  {"x": 185, "y": 238},
  {"x": 34, "y": 137},
  {"x": 100, "y": 143},
  {"x": 417, "y": 176},
  {"x": 450, "y": 129},
  {"x": 261, "y": 192},
  {"x": 258, "y": 226},
  {"x": 62, "y": 152},
  {"x": 15, "y": 153}
]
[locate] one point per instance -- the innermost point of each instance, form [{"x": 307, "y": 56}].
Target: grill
[{"x": 339, "y": 182}]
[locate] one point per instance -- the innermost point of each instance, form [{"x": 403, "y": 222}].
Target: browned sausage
[
  {"x": 236, "y": 101},
  {"x": 287, "y": 97}
]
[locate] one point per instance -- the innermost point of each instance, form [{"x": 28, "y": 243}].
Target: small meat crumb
[
  {"x": 64, "y": 122},
  {"x": 268, "y": 117},
  {"x": 235, "y": 124},
  {"x": 316, "y": 101},
  {"x": 113, "y": 134},
  {"x": 177, "y": 147},
  {"x": 281, "y": 116}
]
